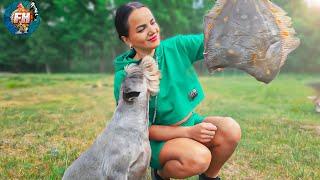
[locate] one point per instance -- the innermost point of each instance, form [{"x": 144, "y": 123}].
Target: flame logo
[{"x": 18, "y": 18}]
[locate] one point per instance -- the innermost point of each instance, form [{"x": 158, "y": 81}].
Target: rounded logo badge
[{"x": 22, "y": 18}]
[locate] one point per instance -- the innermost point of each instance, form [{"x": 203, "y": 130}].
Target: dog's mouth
[{"x": 131, "y": 96}]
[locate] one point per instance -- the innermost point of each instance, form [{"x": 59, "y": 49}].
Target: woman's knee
[
  {"x": 193, "y": 157},
  {"x": 233, "y": 130},
  {"x": 229, "y": 130},
  {"x": 199, "y": 162}
]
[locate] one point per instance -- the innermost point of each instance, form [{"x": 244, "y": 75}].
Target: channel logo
[{"x": 22, "y": 18}]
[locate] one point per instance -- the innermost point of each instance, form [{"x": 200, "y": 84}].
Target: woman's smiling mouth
[{"x": 154, "y": 38}]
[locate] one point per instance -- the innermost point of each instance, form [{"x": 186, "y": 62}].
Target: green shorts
[{"x": 156, "y": 146}]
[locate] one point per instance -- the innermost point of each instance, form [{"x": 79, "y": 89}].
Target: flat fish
[{"x": 255, "y": 36}]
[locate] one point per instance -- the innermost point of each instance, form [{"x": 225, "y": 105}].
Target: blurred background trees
[{"x": 79, "y": 36}]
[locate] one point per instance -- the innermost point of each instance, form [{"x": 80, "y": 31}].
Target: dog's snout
[
  {"x": 130, "y": 96},
  {"x": 127, "y": 90}
]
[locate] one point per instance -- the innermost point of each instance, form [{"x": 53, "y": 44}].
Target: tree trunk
[
  {"x": 69, "y": 64},
  {"x": 102, "y": 66},
  {"x": 48, "y": 68},
  {"x": 69, "y": 61}
]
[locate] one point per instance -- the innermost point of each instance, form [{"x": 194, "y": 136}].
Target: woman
[{"x": 183, "y": 143}]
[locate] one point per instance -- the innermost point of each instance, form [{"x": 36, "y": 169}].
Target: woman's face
[{"x": 144, "y": 32}]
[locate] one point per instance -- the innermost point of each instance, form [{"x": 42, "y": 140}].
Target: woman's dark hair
[{"x": 122, "y": 16}]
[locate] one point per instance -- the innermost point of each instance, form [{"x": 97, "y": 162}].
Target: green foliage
[{"x": 79, "y": 36}]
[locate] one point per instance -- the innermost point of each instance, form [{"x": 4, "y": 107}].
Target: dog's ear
[
  {"x": 152, "y": 73},
  {"x": 130, "y": 96}
]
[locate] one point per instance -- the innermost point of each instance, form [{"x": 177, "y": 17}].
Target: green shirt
[{"x": 175, "y": 57}]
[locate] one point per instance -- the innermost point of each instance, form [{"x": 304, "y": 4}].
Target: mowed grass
[{"x": 47, "y": 121}]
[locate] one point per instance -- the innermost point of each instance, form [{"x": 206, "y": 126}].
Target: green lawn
[{"x": 46, "y": 121}]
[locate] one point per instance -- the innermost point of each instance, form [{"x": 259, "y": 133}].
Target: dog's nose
[{"x": 130, "y": 96}]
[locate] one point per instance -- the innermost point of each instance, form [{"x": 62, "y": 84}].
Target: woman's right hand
[{"x": 203, "y": 132}]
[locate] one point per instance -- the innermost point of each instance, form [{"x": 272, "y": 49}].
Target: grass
[{"x": 46, "y": 121}]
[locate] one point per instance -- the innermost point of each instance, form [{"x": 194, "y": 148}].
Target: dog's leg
[{"x": 139, "y": 166}]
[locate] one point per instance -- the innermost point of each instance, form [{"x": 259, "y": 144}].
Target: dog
[{"x": 122, "y": 151}]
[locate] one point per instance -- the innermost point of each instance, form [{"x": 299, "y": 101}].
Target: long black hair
[{"x": 122, "y": 15}]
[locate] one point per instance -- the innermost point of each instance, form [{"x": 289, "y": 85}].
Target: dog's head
[
  {"x": 141, "y": 79},
  {"x": 134, "y": 84}
]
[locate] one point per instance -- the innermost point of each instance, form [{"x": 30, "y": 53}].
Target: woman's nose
[{"x": 152, "y": 30}]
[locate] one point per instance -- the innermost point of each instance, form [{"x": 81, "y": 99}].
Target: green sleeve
[
  {"x": 192, "y": 45},
  {"x": 118, "y": 78}
]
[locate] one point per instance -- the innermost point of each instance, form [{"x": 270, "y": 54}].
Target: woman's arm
[
  {"x": 192, "y": 45},
  {"x": 203, "y": 132},
  {"x": 164, "y": 133}
]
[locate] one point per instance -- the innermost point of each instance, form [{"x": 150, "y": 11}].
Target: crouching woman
[{"x": 183, "y": 142}]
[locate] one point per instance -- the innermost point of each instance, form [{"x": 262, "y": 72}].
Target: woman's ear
[{"x": 126, "y": 40}]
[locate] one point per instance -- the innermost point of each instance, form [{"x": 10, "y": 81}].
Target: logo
[{"x": 22, "y": 18}]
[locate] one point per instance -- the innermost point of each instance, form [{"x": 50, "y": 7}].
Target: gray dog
[{"x": 122, "y": 151}]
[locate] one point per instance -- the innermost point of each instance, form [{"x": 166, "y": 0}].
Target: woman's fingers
[
  {"x": 209, "y": 133},
  {"x": 209, "y": 126},
  {"x": 206, "y": 136},
  {"x": 203, "y": 132}
]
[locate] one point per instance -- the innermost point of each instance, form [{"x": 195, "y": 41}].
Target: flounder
[{"x": 255, "y": 36}]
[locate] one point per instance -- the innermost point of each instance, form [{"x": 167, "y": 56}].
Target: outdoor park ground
[{"x": 46, "y": 121}]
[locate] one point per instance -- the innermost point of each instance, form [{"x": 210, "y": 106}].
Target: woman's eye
[{"x": 140, "y": 30}]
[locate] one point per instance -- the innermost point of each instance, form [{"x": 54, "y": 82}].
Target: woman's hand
[{"x": 203, "y": 132}]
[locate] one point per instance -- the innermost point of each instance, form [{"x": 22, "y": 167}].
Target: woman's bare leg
[
  {"x": 223, "y": 144},
  {"x": 183, "y": 157}
]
